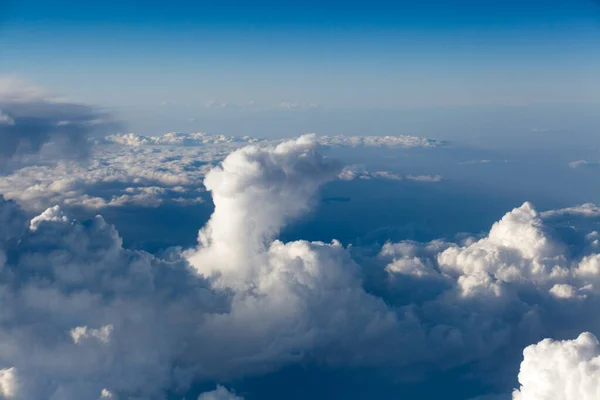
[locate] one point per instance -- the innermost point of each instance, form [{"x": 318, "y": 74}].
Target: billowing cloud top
[
  {"x": 255, "y": 191},
  {"x": 220, "y": 393},
  {"x": 561, "y": 370}
]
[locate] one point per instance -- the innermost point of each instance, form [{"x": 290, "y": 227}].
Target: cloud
[
  {"x": 145, "y": 171},
  {"x": 178, "y": 139},
  {"x": 8, "y": 383},
  {"x": 425, "y": 178},
  {"x": 288, "y": 105},
  {"x": 115, "y": 177},
  {"x": 402, "y": 141},
  {"x": 353, "y": 172},
  {"x": 201, "y": 139},
  {"x": 291, "y": 171},
  {"x": 33, "y": 121},
  {"x": 220, "y": 393},
  {"x": 561, "y": 370},
  {"x": 484, "y": 161},
  {"x": 584, "y": 210},
  {"x": 83, "y": 317},
  {"x": 106, "y": 321},
  {"x": 6, "y": 119},
  {"x": 584, "y": 163}
]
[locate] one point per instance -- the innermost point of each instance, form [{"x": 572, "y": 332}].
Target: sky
[
  {"x": 268, "y": 54},
  {"x": 256, "y": 200}
]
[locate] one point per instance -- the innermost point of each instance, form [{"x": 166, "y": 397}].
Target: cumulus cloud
[
  {"x": 106, "y": 321},
  {"x": 521, "y": 282},
  {"x": 238, "y": 229},
  {"x": 220, "y": 393},
  {"x": 85, "y": 318},
  {"x": 32, "y": 121},
  {"x": 82, "y": 317},
  {"x": 561, "y": 370}
]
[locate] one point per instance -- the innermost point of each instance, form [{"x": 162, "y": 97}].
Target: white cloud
[
  {"x": 584, "y": 163},
  {"x": 402, "y": 141},
  {"x": 107, "y": 320},
  {"x": 6, "y": 119},
  {"x": 115, "y": 177},
  {"x": 425, "y": 178},
  {"x": 147, "y": 171},
  {"x": 517, "y": 247},
  {"x": 352, "y": 172},
  {"x": 178, "y": 139},
  {"x": 8, "y": 383},
  {"x": 220, "y": 393},
  {"x": 102, "y": 318},
  {"x": 81, "y": 333},
  {"x": 239, "y": 229},
  {"x": 289, "y": 105},
  {"x": 584, "y": 210},
  {"x": 561, "y": 370},
  {"x": 484, "y": 161},
  {"x": 51, "y": 214}
]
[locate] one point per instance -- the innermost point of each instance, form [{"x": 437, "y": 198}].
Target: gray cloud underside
[{"x": 34, "y": 122}]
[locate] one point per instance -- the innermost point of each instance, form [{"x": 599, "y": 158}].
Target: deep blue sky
[{"x": 373, "y": 54}]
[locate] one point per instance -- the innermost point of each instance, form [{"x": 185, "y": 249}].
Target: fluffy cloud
[
  {"x": 32, "y": 121},
  {"x": 561, "y": 370},
  {"x": 525, "y": 280},
  {"x": 220, "y": 393},
  {"x": 82, "y": 317},
  {"x": 252, "y": 176},
  {"x": 115, "y": 176}
]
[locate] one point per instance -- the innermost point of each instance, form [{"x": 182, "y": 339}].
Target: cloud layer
[{"x": 84, "y": 318}]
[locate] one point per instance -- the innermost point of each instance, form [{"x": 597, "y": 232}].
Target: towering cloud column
[{"x": 255, "y": 192}]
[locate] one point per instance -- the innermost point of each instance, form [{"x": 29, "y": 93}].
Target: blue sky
[{"x": 334, "y": 54}]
